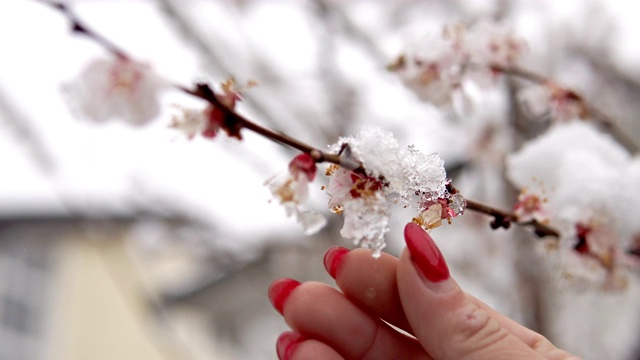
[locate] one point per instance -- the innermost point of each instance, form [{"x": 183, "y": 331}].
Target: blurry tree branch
[
  {"x": 22, "y": 130},
  {"x": 233, "y": 123},
  {"x": 598, "y": 116}
]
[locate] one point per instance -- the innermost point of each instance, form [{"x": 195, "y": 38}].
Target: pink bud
[{"x": 303, "y": 163}]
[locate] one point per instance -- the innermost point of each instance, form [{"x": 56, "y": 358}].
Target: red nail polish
[
  {"x": 333, "y": 259},
  {"x": 425, "y": 254},
  {"x": 286, "y": 344},
  {"x": 279, "y": 291}
]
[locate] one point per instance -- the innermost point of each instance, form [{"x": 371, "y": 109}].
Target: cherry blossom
[
  {"x": 393, "y": 175},
  {"x": 530, "y": 207},
  {"x": 579, "y": 165},
  {"x": 117, "y": 88},
  {"x": 208, "y": 121},
  {"x": 437, "y": 70},
  {"x": 191, "y": 122},
  {"x": 549, "y": 100},
  {"x": 440, "y": 209},
  {"x": 291, "y": 190},
  {"x": 229, "y": 97}
]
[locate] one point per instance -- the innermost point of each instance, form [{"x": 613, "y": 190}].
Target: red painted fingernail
[
  {"x": 286, "y": 344},
  {"x": 279, "y": 291},
  {"x": 333, "y": 259},
  {"x": 425, "y": 254}
]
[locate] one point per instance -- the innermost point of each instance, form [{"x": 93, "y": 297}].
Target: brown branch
[
  {"x": 504, "y": 219},
  {"x": 78, "y": 27},
  {"x": 604, "y": 120},
  {"x": 235, "y": 122}
]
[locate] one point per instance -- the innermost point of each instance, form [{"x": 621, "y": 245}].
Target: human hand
[{"x": 414, "y": 293}]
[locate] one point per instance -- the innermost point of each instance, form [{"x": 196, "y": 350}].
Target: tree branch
[
  {"x": 235, "y": 122},
  {"x": 604, "y": 120}
]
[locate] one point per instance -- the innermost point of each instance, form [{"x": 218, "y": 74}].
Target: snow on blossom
[
  {"x": 366, "y": 221},
  {"x": 393, "y": 175},
  {"x": 596, "y": 257},
  {"x": 585, "y": 173},
  {"x": 117, "y": 88},
  {"x": 437, "y": 69},
  {"x": 406, "y": 172},
  {"x": 291, "y": 190}
]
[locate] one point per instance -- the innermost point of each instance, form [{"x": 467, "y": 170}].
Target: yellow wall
[{"x": 100, "y": 310}]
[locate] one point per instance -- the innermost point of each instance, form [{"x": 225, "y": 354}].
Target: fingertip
[
  {"x": 293, "y": 346},
  {"x": 333, "y": 258},
  {"x": 426, "y": 257},
  {"x": 286, "y": 344},
  {"x": 279, "y": 291}
]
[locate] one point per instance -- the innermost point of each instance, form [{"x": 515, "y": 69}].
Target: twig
[
  {"x": 602, "y": 118},
  {"x": 78, "y": 27},
  {"x": 504, "y": 219},
  {"x": 235, "y": 122}
]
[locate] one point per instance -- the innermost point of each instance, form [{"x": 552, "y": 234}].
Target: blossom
[
  {"x": 590, "y": 179},
  {"x": 118, "y": 88},
  {"x": 216, "y": 117},
  {"x": 191, "y": 122},
  {"x": 595, "y": 256},
  {"x": 437, "y": 70},
  {"x": 530, "y": 207},
  {"x": 489, "y": 43},
  {"x": 434, "y": 72},
  {"x": 392, "y": 175},
  {"x": 291, "y": 189},
  {"x": 435, "y": 211},
  {"x": 208, "y": 121},
  {"x": 550, "y": 100}
]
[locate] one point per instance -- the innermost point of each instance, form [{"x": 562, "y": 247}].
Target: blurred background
[{"x": 136, "y": 243}]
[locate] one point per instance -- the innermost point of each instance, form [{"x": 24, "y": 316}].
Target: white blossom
[
  {"x": 115, "y": 89},
  {"x": 437, "y": 69},
  {"x": 292, "y": 190},
  {"x": 549, "y": 101},
  {"x": 393, "y": 175},
  {"x": 190, "y": 122},
  {"x": 584, "y": 174}
]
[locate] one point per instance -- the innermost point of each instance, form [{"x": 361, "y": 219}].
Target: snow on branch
[{"x": 371, "y": 172}]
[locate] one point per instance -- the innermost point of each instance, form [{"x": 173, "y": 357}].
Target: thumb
[{"x": 445, "y": 321}]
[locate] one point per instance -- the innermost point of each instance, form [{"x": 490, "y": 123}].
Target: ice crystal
[
  {"x": 393, "y": 174},
  {"x": 424, "y": 175},
  {"x": 458, "y": 204},
  {"x": 378, "y": 151},
  {"x": 366, "y": 222}
]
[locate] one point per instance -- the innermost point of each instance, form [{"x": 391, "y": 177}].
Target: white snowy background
[{"x": 321, "y": 70}]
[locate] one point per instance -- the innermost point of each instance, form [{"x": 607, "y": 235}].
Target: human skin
[{"x": 414, "y": 293}]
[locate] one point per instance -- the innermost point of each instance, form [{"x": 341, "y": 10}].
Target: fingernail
[
  {"x": 333, "y": 259},
  {"x": 279, "y": 291},
  {"x": 425, "y": 254},
  {"x": 286, "y": 344}
]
